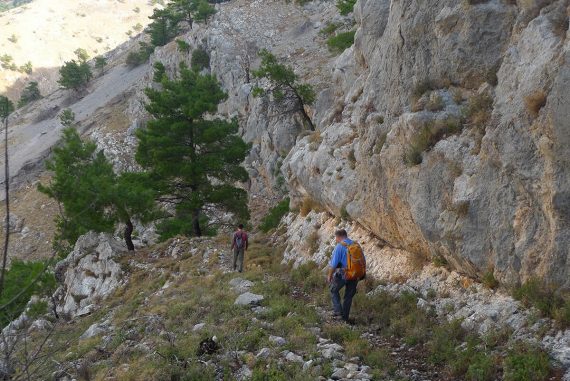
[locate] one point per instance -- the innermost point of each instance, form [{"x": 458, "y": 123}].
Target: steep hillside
[
  {"x": 176, "y": 312},
  {"x": 46, "y": 34},
  {"x": 441, "y": 143}
]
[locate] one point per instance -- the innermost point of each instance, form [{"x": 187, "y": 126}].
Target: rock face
[
  {"x": 490, "y": 194},
  {"x": 89, "y": 273},
  {"x": 493, "y": 198}
]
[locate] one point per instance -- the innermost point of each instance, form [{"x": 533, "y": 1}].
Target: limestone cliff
[{"x": 493, "y": 198}]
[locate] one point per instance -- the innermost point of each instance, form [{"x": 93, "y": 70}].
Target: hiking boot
[
  {"x": 336, "y": 317},
  {"x": 349, "y": 321}
]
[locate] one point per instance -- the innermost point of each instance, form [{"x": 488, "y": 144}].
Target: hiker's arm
[
  {"x": 333, "y": 264},
  {"x": 330, "y": 274}
]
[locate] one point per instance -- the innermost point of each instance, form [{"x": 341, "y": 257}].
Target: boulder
[
  {"x": 240, "y": 285},
  {"x": 88, "y": 274},
  {"x": 248, "y": 299},
  {"x": 277, "y": 340}
]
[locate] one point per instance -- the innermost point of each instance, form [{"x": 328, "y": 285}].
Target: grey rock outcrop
[
  {"x": 88, "y": 274},
  {"x": 493, "y": 198}
]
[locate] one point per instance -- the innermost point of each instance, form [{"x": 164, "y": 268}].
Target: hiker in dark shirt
[{"x": 239, "y": 246}]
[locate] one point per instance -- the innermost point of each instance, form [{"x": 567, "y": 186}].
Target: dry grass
[
  {"x": 535, "y": 102},
  {"x": 427, "y": 137},
  {"x": 308, "y": 205}
]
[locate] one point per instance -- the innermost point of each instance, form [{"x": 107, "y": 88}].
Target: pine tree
[
  {"x": 92, "y": 196},
  {"x": 164, "y": 26},
  {"x": 193, "y": 10},
  {"x": 74, "y": 75},
  {"x": 31, "y": 93},
  {"x": 192, "y": 158},
  {"x": 285, "y": 85},
  {"x": 81, "y": 183},
  {"x": 100, "y": 63},
  {"x": 6, "y": 108}
]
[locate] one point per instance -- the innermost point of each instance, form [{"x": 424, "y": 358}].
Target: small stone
[
  {"x": 330, "y": 353},
  {"x": 198, "y": 327},
  {"x": 365, "y": 369},
  {"x": 260, "y": 310},
  {"x": 93, "y": 330},
  {"x": 338, "y": 363},
  {"x": 263, "y": 353},
  {"x": 241, "y": 285},
  {"x": 307, "y": 365},
  {"x": 351, "y": 367},
  {"x": 277, "y": 340},
  {"x": 339, "y": 373},
  {"x": 317, "y": 370},
  {"x": 292, "y": 357}
]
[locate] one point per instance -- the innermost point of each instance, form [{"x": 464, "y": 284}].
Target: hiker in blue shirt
[{"x": 336, "y": 277}]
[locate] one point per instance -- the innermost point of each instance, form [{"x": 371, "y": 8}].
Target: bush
[
  {"x": 526, "y": 363},
  {"x": 338, "y": 43},
  {"x": 135, "y": 59},
  {"x": 23, "y": 280},
  {"x": 427, "y": 137},
  {"x": 481, "y": 368},
  {"x": 489, "y": 280},
  {"x": 31, "y": 93},
  {"x": 419, "y": 90},
  {"x": 200, "y": 60},
  {"x": 74, "y": 75},
  {"x": 435, "y": 103},
  {"x": 26, "y": 68},
  {"x": 345, "y": 6},
  {"x": 535, "y": 102},
  {"x": 479, "y": 109},
  {"x": 273, "y": 218},
  {"x": 307, "y": 206},
  {"x": 533, "y": 293},
  {"x": 329, "y": 29}
]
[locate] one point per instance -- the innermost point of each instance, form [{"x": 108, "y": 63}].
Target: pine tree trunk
[
  {"x": 129, "y": 235},
  {"x": 196, "y": 223},
  {"x": 7, "y": 201}
]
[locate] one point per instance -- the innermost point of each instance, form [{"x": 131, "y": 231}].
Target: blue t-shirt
[{"x": 339, "y": 255}]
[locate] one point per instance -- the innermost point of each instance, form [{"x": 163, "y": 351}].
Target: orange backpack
[{"x": 355, "y": 262}]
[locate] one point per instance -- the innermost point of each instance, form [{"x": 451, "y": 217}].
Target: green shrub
[
  {"x": 446, "y": 338},
  {"x": 489, "y": 280},
  {"x": 183, "y": 46},
  {"x": 526, "y": 363},
  {"x": 482, "y": 367},
  {"x": 535, "y": 293},
  {"x": 272, "y": 219},
  {"x": 23, "y": 280},
  {"x": 200, "y": 60},
  {"x": 562, "y": 314},
  {"x": 141, "y": 56},
  {"x": 37, "y": 309},
  {"x": 341, "y": 41},
  {"x": 329, "y": 29},
  {"x": 31, "y": 93},
  {"x": 345, "y": 6}
]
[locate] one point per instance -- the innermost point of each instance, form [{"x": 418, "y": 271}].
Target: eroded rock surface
[{"x": 88, "y": 274}]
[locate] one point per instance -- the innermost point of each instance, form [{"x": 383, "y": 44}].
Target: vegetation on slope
[{"x": 155, "y": 314}]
